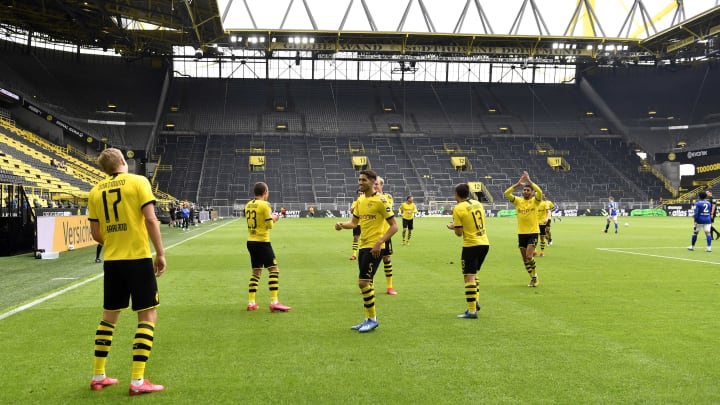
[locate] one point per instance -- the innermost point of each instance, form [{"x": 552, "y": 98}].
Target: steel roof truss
[
  {"x": 646, "y": 19},
  {"x": 539, "y": 21},
  {"x": 590, "y": 15}
]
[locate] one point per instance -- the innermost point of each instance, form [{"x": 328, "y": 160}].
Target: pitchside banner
[
  {"x": 58, "y": 234},
  {"x": 706, "y": 161}
]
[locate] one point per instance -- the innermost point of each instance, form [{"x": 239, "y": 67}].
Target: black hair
[
  {"x": 260, "y": 188},
  {"x": 462, "y": 190},
  {"x": 370, "y": 174}
]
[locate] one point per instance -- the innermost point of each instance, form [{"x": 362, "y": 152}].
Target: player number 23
[{"x": 251, "y": 217}]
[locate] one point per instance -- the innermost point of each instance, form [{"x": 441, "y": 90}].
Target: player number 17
[{"x": 105, "y": 193}]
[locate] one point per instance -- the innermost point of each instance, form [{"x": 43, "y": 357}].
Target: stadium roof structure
[
  {"x": 133, "y": 27},
  {"x": 420, "y": 29}
]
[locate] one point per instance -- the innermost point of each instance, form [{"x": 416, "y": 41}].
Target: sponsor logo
[
  {"x": 695, "y": 154},
  {"x": 709, "y": 168}
]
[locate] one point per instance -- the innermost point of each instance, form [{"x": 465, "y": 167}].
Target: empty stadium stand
[
  {"x": 309, "y": 131},
  {"x": 311, "y": 159}
]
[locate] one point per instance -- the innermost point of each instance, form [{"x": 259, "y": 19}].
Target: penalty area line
[
  {"x": 612, "y": 250},
  {"x": 93, "y": 278}
]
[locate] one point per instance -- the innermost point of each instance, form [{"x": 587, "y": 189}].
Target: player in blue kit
[
  {"x": 703, "y": 219},
  {"x": 612, "y": 214}
]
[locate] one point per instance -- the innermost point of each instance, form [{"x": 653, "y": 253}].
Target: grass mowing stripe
[
  {"x": 224, "y": 223},
  {"x": 93, "y": 278},
  {"x": 600, "y": 328},
  {"x": 613, "y": 250},
  {"x": 48, "y": 297},
  {"x": 559, "y": 327}
]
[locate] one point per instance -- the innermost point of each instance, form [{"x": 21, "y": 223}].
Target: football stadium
[{"x": 228, "y": 124}]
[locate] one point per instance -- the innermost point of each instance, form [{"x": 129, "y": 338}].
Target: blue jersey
[
  {"x": 612, "y": 208},
  {"x": 703, "y": 211}
]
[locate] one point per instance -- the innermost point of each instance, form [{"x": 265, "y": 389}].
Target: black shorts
[
  {"x": 473, "y": 258},
  {"x": 172, "y": 215},
  {"x": 261, "y": 254},
  {"x": 547, "y": 225},
  {"x": 542, "y": 229},
  {"x": 527, "y": 239},
  {"x": 356, "y": 231},
  {"x": 367, "y": 264},
  {"x": 130, "y": 279},
  {"x": 387, "y": 250},
  {"x": 408, "y": 223}
]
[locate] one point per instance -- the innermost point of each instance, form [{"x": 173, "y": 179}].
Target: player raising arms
[
  {"x": 527, "y": 218},
  {"x": 371, "y": 212}
]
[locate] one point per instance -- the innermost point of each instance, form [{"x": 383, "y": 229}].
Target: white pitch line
[
  {"x": 47, "y": 297},
  {"x": 646, "y": 248},
  {"x": 81, "y": 283},
  {"x": 619, "y": 250}
]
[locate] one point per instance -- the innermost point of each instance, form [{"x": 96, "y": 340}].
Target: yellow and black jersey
[
  {"x": 354, "y": 203},
  {"x": 372, "y": 213},
  {"x": 259, "y": 220},
  {"x": 389, "y": 201},
  {"x": 542, "y": 211},
  {"x": 550, "y": 207},
  {"x": 408, "y": 210},
  {"x": 470, "y": 216},
  {"x": 116, "y": 203},
  {"x": 527, "y": 210}
]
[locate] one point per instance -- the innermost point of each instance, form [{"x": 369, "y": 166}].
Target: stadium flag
[
  {"x": 481, "y": 192},
  {"x": 360, "y": 163},
  {"x": 460, "y": 163},
  {"x": 257, "y": 163},
  {"x": 558, "y": 164}
]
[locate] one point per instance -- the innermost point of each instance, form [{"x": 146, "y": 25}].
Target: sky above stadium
[{"x": 553, "y": 17}]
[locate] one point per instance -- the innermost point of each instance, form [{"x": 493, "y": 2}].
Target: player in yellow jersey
[
  {"x": 550, "y": 206},
  {"x": 407, "y": 210},
  {"x": 469, "y": 222},
  {"x": 371, "y": 212},
  {"x": 388, "y": 251},
  {"x": 260, "y": 220},
  {"x": 543, "y": 213},
  {"x": 527, "y": 207},
  {"x": 356, "y": 231},
  {"x": 122, "y": 218}
]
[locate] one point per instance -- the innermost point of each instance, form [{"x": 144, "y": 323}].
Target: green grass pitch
[{"x": 617, "y": 319}]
